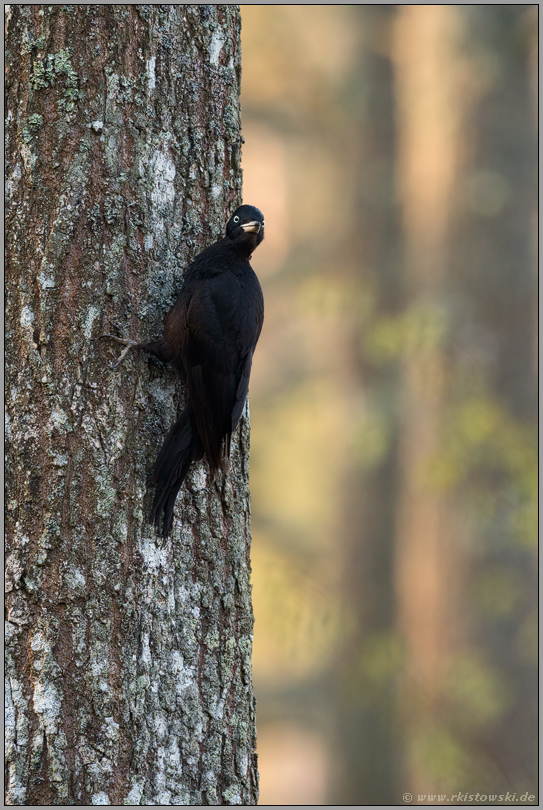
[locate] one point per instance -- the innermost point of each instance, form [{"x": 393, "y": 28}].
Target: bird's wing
[
  {"x": 242, "y": 389},
  {"x": 221, "y": 329},
  {"x": 211, "y": 333}
]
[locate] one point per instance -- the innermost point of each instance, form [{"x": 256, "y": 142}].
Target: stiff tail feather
[{"x": 181, "y": 447}]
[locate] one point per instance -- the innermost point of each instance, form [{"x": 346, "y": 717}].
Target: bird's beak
[{"x": 252, "y": 227}]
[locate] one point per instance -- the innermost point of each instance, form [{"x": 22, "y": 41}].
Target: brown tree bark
[{"x": 129, "y": 656}]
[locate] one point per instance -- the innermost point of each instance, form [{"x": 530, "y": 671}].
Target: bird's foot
[{"x": 130, "y": 344}]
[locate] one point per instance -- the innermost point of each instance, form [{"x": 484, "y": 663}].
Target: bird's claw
[
  {"x": 115, "y": 337},
  {"x": 130, "y": 344}
]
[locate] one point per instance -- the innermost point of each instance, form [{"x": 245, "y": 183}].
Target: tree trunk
[
  {"x": 366, "y": 731},
  {"x": 428, "y": 557},
  {"x": 129, "y": 656}
]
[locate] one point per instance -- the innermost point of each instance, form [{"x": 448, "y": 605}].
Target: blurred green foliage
[{"x": 354, "y": 351}]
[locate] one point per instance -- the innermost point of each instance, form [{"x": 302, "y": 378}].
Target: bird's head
[{"x": 246, "y": 225}]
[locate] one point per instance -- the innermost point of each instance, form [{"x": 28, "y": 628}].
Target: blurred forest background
[{"x": 393, "y": 398}]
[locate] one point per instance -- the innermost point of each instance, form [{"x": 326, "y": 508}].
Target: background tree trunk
[
  {"x": 129, "y": 656},
  {"x": 428, "y": 552}
]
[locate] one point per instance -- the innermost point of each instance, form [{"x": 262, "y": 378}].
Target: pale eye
[
  {"x": 263, "y": 223},
  {"x": 236, "y": 219}
]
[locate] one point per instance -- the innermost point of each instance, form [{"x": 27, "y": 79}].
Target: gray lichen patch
[
  {"x": 56, "y": 70},
  {"x": 33, "y": 124},
  {"x": 46, "y": 72}
]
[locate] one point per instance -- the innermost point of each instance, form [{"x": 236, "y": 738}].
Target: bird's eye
[{"x": 236, "y": 219}]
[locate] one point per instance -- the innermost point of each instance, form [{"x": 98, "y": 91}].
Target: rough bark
[{"x": 129, "y": 656}]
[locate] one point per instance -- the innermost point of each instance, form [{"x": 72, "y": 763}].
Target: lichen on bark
[{"x": 128, "y": 656}]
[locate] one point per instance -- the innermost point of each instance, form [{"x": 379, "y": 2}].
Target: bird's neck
[{"x": 244, "y": 246}]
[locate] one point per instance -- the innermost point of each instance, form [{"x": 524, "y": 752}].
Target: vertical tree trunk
[
  {"x": 366, "y": 733},
  {"x": 428, "y": 556},
  {"x": 129, "y": 656}
]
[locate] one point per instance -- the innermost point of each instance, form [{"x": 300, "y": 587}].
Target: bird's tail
[{"x": 181, "y": 447}]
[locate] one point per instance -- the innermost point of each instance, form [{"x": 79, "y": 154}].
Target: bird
[{"x": 209, "y": 337}]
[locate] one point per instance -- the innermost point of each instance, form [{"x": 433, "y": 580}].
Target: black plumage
[{"x": 209, "y": 336}]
